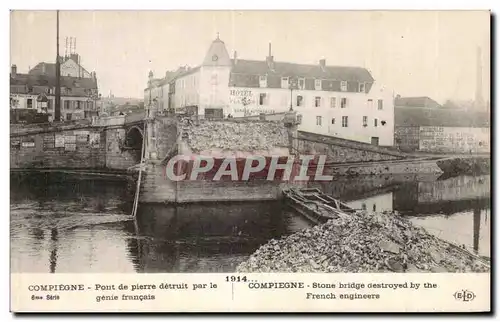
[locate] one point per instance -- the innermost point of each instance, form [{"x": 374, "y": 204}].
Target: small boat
[{"x": 315, "y": 205}]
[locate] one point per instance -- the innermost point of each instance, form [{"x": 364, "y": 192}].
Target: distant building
[
  {"x": 35, "y": 93},
  {"x": 125, "y": 109},
  {"x": 333, "y": 100},
  {"x": 158, "y": 90},
  {"x": 422, "y": 101},
  {"x": 421, "y": 124},
  {"x": 109, "y": 104}
]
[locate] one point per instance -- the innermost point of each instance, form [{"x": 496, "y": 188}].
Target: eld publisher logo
[{"x": 464, "y": 295}]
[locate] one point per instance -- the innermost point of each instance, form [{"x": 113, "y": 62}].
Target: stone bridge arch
[{"x": 134, "y": 135}]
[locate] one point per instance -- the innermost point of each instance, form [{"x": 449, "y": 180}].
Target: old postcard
[{"x": 232, "y": 161}]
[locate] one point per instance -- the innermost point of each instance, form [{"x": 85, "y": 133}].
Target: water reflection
[
  {"x": 61, "y": 224},
  {"x": 212, "y": 237}
]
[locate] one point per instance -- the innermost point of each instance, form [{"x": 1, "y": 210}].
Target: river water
[{"x": 69, "y": 225}]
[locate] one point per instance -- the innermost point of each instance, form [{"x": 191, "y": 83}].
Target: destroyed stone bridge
[{"x": 113, "y": 145}]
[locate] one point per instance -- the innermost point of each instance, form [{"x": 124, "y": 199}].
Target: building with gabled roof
[
  {"x": 35, "y": 93},
  {"x": 70, "y": 66},
  {"x": 342, "y": 101}
]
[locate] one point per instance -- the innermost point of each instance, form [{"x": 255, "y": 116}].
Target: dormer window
[
  {"x": 284, "y": 82},
  {"x": 302, "y": 83},
  {"x": 317, "y": 84},
  {"x": 263, "y": 81},
  {"x": 361, "y": 87},
  {"x": 343, "y": 86}
]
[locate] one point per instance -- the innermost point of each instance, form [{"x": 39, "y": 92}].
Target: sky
[{"x": 414, "y": 53}]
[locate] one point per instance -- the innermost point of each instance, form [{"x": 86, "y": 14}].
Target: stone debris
[
  {"x": 239, "y": 136},
  {"x": 363, "y": 242}
]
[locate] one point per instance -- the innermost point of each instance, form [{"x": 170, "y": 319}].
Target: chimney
[
  {"x": 13, "y": 71},
  {"x": 235, "y": 57},
  {"x": 270, "y": 58},
  {"x": 322, "y": 63}
]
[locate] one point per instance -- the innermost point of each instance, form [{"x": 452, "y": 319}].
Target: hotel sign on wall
[{"x": 241, "y": 97}]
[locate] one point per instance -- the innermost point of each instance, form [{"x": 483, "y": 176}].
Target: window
[
  {"x": 374, "y": 207},
  {"x": 263, "y": 81},
  {"x": 78, "y": 105},
  {"x": 363, "y": 206},
  {"x": 302, "y": 83},
  {"x": 380, "y": 104},
  {"x": 343, "y": 86},
  {"x": 370, "y": 103},
  {"x": 343, "y": 102},
  {"x": 344, "y": 121},
  {"x": 317, "y": 101},
  {"x": 284, "y": 82},
  {"x": 300, "y": 100},
  {"x": 375, "y": 122},
  {"x": 317, "y": 84},
  {"x": 333, "y": 102},
  {"x": 361, "y": 87},
  {"x": 365, "y": 120},
  {"x": 89, "y": 105},
  {"x": 318, "y": 120},
  {"x": 299, "y": 118},
  {"x": 29, "y": 103},
  {"x": 333, "y": 120},
  {"x": 66, "y": 105},
  {"x": 263, "y": 98},
  {"x": 68, "y": 116}
]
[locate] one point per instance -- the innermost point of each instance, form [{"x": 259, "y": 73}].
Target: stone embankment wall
[
  {"x": 340, "y": 150},
  {"x": 50, "y": 147},
  {"x": 69, "y": 146}
]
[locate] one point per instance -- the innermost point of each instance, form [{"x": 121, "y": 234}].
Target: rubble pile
[
  {"x": 363, "y": 242},
  {"x": 239, "y": 136}
]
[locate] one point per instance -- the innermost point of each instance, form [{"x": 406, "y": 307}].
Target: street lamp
[{"x": 292, "y": 85}]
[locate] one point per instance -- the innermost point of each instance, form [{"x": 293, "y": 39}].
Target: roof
[
  {"x": 185, "y": 72},
  {"x": 48, "y": 80},
  {"x": 422, "y": 101},
  {"x": 408, "y": 116},
  {"x": 50, "y": 68},
  {"x": 344, "y": 73},
  {"x": 217, "y": 54}
]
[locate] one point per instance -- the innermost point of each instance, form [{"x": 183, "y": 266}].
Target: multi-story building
[
  {"x": 36, "y": 93},
  {"x": 70, "y": 66},
  {"x": 159, "y": 90},
  {"x": 333, "y": 100}
]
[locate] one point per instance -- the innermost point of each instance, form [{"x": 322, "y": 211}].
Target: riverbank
[
  {"x": 363, "y": 242},
  {"x": 473, "y": 165}
]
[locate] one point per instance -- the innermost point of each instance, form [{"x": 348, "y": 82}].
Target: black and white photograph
[{"x": 250, "y": 141}]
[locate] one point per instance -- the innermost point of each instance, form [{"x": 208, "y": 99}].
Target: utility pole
[
  {"x": 293, "y": 84},
  {"x": 57, "y": 107}
]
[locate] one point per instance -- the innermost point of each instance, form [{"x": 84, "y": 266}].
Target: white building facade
[{"x": 344, "y": 102}]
